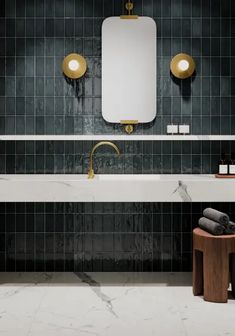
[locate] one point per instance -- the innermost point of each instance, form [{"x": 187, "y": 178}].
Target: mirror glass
[{"x": 129, "y": 69}]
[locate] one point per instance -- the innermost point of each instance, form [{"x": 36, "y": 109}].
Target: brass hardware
[
  {"x": 182, "y": 66},
  {"x": 129, "y": 7},
  {"x": 133, "y": 122},
  {"x": 129, "y": 128},
  {"x": 129, "y": 17},
  {"x": 91, "y": 173},
  {"x": 74, "y": 66}
]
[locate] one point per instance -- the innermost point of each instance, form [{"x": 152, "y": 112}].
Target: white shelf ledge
[{"x": 133, "y": 137}]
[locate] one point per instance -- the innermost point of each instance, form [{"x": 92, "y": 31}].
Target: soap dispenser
[
  {"x": 232, "y": 164},
  {"x": 223, "y": 166}
]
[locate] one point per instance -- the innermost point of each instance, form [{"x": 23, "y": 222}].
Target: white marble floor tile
[{"x": 108, "y": 304}]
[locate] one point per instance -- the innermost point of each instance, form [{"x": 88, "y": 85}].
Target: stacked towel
[
  {"x": 216, "y": 216},
  {"x": 211, "y": 226},
  {"x": 230, "y": 228},
  {"x": 216, "y": 222}
]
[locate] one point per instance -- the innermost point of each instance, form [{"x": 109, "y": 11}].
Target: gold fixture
[
  {"x": 74, "y": 66},
  {"x": 182, "y": 66},
  {"x": 129, "y": 7},
  {"x": 129, "y": 128},
  {"x": 91, "y": 170}
]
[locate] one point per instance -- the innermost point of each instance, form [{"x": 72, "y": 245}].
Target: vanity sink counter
[{"x": 116, "y": 188}]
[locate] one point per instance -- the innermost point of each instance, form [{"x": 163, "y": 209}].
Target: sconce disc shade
[
  {"x": 74, "y": 66},
  {"x": 182, "y": 66}
]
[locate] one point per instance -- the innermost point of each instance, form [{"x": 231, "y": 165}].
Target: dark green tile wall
[
  {"x": 35, "y": 35},
  {"x": 35, "y": 98},
  {"x": 137, "y": 157},
  {"x": 99, "y": 236}
]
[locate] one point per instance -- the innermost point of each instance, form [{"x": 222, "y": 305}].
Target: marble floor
[{"x": 108, "y": 304}]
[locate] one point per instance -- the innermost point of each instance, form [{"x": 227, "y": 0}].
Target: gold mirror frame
[
  {"x": 77, "y": 73},
  {"x": 179, "y": 72}
]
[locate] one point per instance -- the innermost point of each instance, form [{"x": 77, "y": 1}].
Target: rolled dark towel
[
  {"x": 211, "y": 226},
  {"x": 216, "y": 216},
  {"x": 231, "y": 225},
  {"x": 230, "y": 228}
]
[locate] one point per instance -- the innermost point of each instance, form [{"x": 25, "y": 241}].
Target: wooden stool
[{"x": 211, "y": 265}]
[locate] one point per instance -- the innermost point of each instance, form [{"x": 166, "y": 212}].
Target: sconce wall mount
[
  {"x": 182, "y": 66},
  {"x": 74, "y": 66}
]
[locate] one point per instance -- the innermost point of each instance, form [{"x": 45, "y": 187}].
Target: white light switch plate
[
  {"x": 184, "y": 129},
  {"x": 172, "y": 129}
]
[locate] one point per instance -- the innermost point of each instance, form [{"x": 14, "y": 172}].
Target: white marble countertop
[{"x": 116, "y": 188}]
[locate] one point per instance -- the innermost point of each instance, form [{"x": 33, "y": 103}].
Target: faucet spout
[{"x": 91, "y": 173}]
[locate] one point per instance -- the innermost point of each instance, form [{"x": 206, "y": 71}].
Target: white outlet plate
[
  {"x": 184, "y": 129},
  {"x": 172, "y": 129}
]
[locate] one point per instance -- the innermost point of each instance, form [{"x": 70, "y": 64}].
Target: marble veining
[
  {"x": 183, "y": 192},
  {"x": 72, "y": 304},
  {"x": 96, "y": 288}
]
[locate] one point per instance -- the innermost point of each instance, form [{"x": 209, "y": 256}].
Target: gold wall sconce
[
  {"x": 182, "y": 66},
  {"x": 74, "y": 66}
]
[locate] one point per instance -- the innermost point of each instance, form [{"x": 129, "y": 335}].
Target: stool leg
[
  {"x": 197, "y": 272},
  {"x": 216, "y": 276},
  {"x": 233, "y": 273}
]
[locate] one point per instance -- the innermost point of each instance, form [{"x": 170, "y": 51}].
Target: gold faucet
[{"x": 108, "y": 143}]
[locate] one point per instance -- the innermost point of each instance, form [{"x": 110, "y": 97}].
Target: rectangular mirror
[{"x": 129, "y": 70}]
